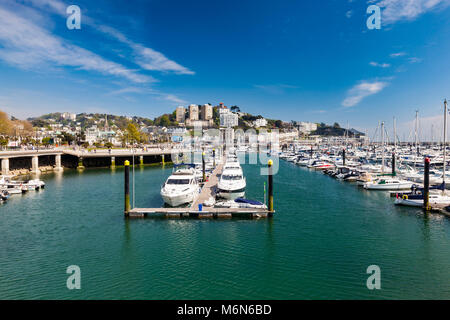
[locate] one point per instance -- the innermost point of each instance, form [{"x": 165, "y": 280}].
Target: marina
[
  {"x": 224, "y": 160},
  {"x": 200, "y": 207},
  {"x": 315, "y": 245}
]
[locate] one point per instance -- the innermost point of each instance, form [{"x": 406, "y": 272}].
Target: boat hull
[
  {"x": 231, "y": 194},
  {"x": 398, "y": 186},
  {"x": 179, "y": 199}
]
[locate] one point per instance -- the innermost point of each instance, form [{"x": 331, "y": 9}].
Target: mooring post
[
  {"x": 214, "y": 158},
  {"x": 113, "y": 162},
  {"x": 311, "y": 151},
  {"x": 127, "y": 188},
  {"x": 426, "y": 185},
  {"x": 393, "y": 164},
  {"x": 162, "y": 157},
  {"x": 203, "y": 166},
  {"x": 80, "y": 163},
  {"x": 141, "y": 160},
  {"x": 343, "y": 157},
  {"x": 270, "y": 163}
]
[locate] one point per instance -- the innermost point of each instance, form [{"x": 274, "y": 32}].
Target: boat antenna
[{"x": 134, "y": 203}]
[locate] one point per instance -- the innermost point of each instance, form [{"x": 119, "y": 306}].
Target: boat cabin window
[
  {"x": 231, "y": 177},
  {"x": 178, "y": 181}
]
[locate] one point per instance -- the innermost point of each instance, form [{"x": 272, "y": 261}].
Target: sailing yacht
[
  {"x": 388, "y": 184},
  {"x": 180, "y": 188}
]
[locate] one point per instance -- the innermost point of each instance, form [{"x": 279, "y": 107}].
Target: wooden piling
[
  {"x": 80, "y": 164},
  {"x": 127, "y": 207},
  {"x": 393, "y": 164},
  {"x": 270, "y": 178},
  {"x": 203, "y": 166}
]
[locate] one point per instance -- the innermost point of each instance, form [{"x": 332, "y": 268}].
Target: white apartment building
[
  {"x": 228, "y": 119},
  {"x": 94, "y": 134},
  {"x": 69, "y": 116},
  {"x": 260, "y": 122},
  {"x": 207, "y": 112},
  {"x": 180, "y": 114},
  {"x": 193, "y": 112},
  {"x": 307, "y": 127}
]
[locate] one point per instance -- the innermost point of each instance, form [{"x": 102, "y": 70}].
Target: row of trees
[{"x": 14, "y": 129}]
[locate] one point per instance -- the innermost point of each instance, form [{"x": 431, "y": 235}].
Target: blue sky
[{"x": 290, "y": 60}]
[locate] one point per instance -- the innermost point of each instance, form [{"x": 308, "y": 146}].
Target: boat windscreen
[
  {"x": 231, "y": 177},
  {"x": 178, "y": 181}
]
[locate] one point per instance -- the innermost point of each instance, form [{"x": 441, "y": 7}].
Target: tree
[
  {"x": 336, "y": 125},
  {"x": 235, "y": 109},
  {"x": 66, "y": 138},
  {"x": 4, "y": 142},
  {"x": 132, "y": 133},
  {"x": 46, "y": 141},
  {"x": 165, "y": 121},
  {"x": 5, "y": 124}
]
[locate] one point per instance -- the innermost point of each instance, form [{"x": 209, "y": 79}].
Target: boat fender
[{"x": 405, "y": 197}]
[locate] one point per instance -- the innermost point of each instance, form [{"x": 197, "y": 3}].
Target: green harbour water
[{"x": 323, "y": 236}]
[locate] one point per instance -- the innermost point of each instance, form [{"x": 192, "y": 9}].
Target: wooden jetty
[{"x": 193, "y": 211}]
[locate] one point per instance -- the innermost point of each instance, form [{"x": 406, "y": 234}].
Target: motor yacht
[
  {"x": 231, "y": 184},
  {"x": 416, "y": 200},
  {"x": 180, "y": 188}
]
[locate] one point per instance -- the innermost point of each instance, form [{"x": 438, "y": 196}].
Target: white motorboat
[
  {"x": 416, "y": 200},
  {"x": 240, "y": 203},
  {"x": 321, "y": 165},
  {"x": 388, "y": 184},
  {"x": 14, "y": 187},
  {"x": 364, "y": 177},
  {"x": 37, "y": 182},
  {"x": 231, "y": 184},
  {"x": 180, "y": 188}
]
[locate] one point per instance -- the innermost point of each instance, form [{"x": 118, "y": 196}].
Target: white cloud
[
  {"x": 173, "y": 98},
  {"x": 146, "y": 58},
  {"x": 381, "y": 65},
  {"x": 130, "y": 90},
  {"x": 398, "y": 10},
  {"x": 27, "y": 45},
  {"x": 397, "y": 54},
  {"x": 414, "y": 60},
  {"x": 124, "y": 92},
  {"x": 363, "y": 89}
]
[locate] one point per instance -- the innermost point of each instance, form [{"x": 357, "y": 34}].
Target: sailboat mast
[
  {"x": 432, "y": 135},
  {"x": 395, "y": 137},
  {"x": 382, "y": 147},
  {"x": 445, "y": 138},
  {"x": 416, "y": 128}
]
